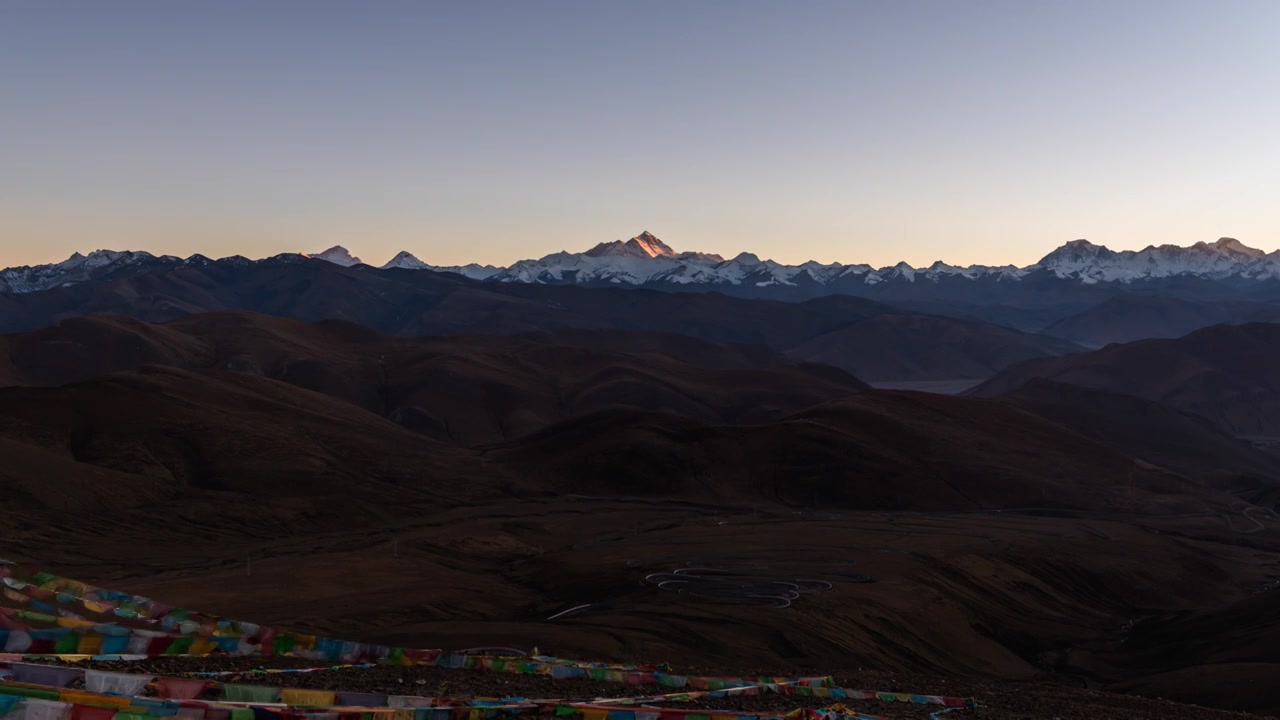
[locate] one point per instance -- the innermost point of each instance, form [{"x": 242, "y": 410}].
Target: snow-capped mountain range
[
  {"x": 75, "y": 269},
  {"x": 644, "y": 260},
  {"x": 1225, "y": 258}
]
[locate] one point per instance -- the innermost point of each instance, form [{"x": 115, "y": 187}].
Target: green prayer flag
[
  {"x": 284, "y": 644},
  {"x": 30, "y": 692},
  {"x": 233, "y": 692},
  {"x": 180, "y": 646},
  {"x": 68, "y": 644}
]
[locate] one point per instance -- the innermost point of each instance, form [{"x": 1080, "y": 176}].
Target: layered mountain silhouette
[
  {"x": 1224, "y": 373},
  {"x": 465, "y": 390},
  {"x": 1080, "y": 292},
  {"x": 1129, "y": 317},
  {"x": 413, "y": 302},
  {"x": 576, "y": 403}
]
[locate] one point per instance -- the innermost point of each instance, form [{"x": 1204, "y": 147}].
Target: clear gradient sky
[{"x": 490, "y": 131}]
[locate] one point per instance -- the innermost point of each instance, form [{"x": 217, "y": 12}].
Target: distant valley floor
[{"x": 940, "y": 387}]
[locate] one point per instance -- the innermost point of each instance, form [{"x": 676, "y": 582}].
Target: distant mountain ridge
[
  {"x": 417, "y": 303},
  {"x": 1080, "y": 292},
  {"x": 645, "y": 260},
  {"x": 1227, "y": 257},
  {"x": 75, "y": 269},
  {"x": 1128, "y": 317}
]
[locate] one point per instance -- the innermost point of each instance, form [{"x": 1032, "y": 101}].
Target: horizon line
[{"x": 361, "y": 261}]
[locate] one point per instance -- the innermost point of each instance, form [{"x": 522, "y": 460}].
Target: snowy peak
[
  {"x": 1075, "y": 253},
  {"x": 642, "y": 259},
  {"x": 1232, "y": 246},
  {"x": 648, "y": 242},
  {"x": 474, "y": 271},
  {"x": 1089, "y": 263},
  {"x": 405, "y": 259},
  {"x": 103, "y": 258},
  {"x": 644, "y": 245},
  {"x": 337, "y": 255},
  {"x": 902, "y": 271},
  {"x": 74, "y": 261},
  {"x": 77, "y": 268}
]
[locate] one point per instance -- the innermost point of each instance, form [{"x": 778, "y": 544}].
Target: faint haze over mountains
[{"x": 491, "y": 132}]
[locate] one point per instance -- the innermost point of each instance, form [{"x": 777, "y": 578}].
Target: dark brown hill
[
  {"x": 667, "y": 410},
  {"x": 1226, "y": 373},
  {"x": 876, "y": 450},
  {"x": 686, "y": 348},
  {"x": 468, "y": 390},
  {"x": 175, "y": 432},
  {"x": 890, "y": 347},
  {"x": 83, "y": 347},
  {"x": 1184, "y": 443},
  {"x": 1223, "y": 657},
  {"x": 601, "y": 424}
]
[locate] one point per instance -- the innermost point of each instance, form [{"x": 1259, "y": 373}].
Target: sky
[{"x": 486, "y": 131}]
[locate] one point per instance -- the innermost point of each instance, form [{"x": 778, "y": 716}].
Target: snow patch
[{"x": 337, "y": 255}]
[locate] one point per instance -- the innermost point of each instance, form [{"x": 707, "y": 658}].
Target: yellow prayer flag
[
  {"x": 201, "y": 646},
  {"x": 90, "y": 644},
  {"x": 313, "y": 698}
]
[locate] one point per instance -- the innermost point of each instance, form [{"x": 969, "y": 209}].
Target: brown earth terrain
[
  {"x": 959, "y": 599},
  {"x": 1174, "y": 439},
  {"x": 966, "y": 539},
  {"x": 467, "y": 390}
]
